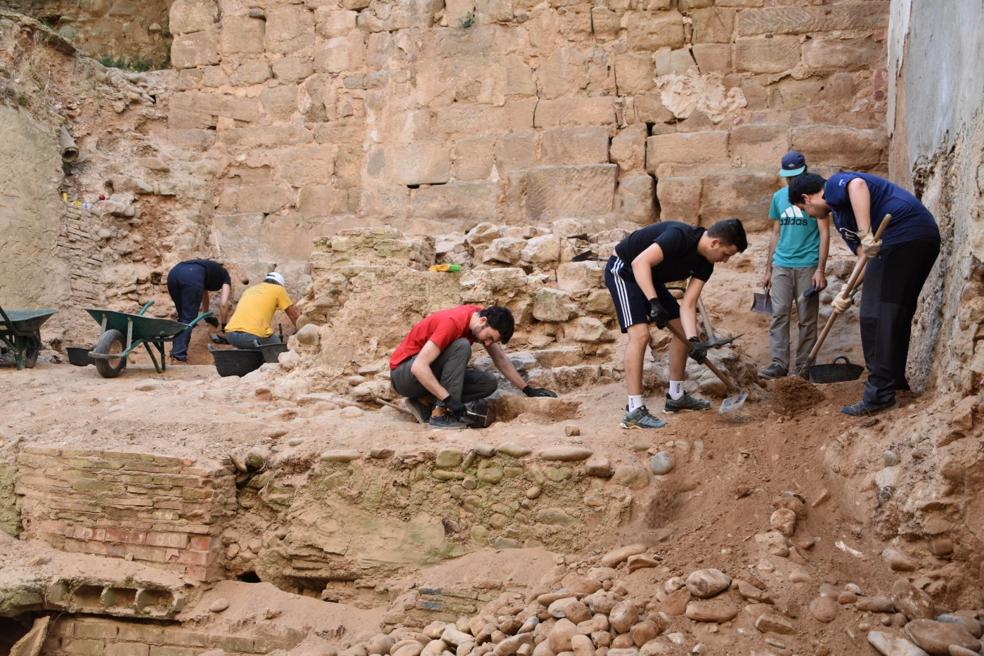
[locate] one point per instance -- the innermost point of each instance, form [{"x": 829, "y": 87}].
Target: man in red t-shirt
[{"x": 431, "y": 363}]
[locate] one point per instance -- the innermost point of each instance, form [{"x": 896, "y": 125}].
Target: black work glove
[
  {"x": 698, "y": 350},
  {"x": 212, "y": 321},
  {"x": 658, "y": 314},
  {"x": 452, "y": 405},
  {"x": 538, "y": 391}
]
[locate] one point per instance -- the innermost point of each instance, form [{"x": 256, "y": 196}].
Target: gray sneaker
[
  {"x": 421, "y": 411},
  {"x": 685, "y": 402},
  {"x": 774, "y": 370},
  {"x": 446, "y": 422},
  {"x": 640, "y": 418}
]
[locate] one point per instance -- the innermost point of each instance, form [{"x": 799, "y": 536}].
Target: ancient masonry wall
[
  {"x": 81, "y": 251},
  {"x": 330, "y": 114},
  {"x": 91, "y": 636},
  {"x": 160, "y": 510},
  {"x": 130, "y": 32}
]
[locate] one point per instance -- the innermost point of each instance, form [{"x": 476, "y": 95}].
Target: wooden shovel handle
[
  {"x": 725, "y": 378},
  {"x": 846, "y": 292}
]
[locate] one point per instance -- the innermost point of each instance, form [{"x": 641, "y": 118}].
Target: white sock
[
  {"x": 635, "y": 401},
  {"x": 676, "y": 389}
]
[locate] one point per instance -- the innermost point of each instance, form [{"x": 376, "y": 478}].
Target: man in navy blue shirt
[
  {"x": 898, "y": 266},
  {"x": 635, "y": 277},
  {"x": 189, "y": 283}
]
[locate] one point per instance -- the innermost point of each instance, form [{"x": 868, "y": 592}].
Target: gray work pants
[
  {"x": 788, "y": 287},
  {"x": 250, "y": 341},
  {"x": 451, "y": 369}
]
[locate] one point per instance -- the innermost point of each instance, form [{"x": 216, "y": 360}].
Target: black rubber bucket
[
  {"x": 78, "y": 356},
  {"x": 236, "y": 362},
  {"x": 836, "y": 372},
  {"x": 272, "y": 351}
]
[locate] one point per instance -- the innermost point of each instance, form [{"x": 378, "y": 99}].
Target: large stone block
[
  {"x": 473, "y": 158},
  {"x": 679, "y": 198},
  {"x": 279, "y": 103},
  {"x": 686, "y": 148},
  {"x": 555, "y": 192},
  {"x": 810, "y": 20},
  {"x": 475, "y": 201},
  {"x": 289, "y": 28},
  {"x": 844, "y": 54},
  {"x": 628, "y": 148},
  {"x": 580, "y": 276},
  {"x": 188, "y": 16},
  {"x": 635, "y": 73},
  {"x": 516, "y": 150},
  {"x": 759, "y": 145},
  {"x": 604, "y": 22},
  {"x": 713, "y": 57},
  {"x": 241, "y": 34},
  {"x": 651, "y": 109},
  {"x": 790, "y": 93},
  {"x": 654, "y": 30},
  {"x": 250, "y": 72},
  {"x": 305, "y": 164},
  {"x": 331, "y": 22},
  {"x": 563, "y": 71},
  {"x": 575, "y": 110},
  {"x": 767, "y": 55},
  {"x": 195, "y": 49},
  {"x": 579, "y": 145},
  {"x": 637, "y": 198},
  {"x": 833, "y": 145},
  {"x": 294, "y": 68},
  {"x": 324, "y": 200},
  {"x": 744, "y": 196},
  {"x": 713, "y": 25},
  {"x": 419, "y": 163},
  {"x": 341, "y": 54}
]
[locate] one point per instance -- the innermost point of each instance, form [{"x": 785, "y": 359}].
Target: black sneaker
[
  {"x": 421, "y": 411},
  {"x": 446, "y": 422},
  {"x": 774, "y": 370},
  {"x": 863, "y": 408},
  {"x": 685, "y": 402}
]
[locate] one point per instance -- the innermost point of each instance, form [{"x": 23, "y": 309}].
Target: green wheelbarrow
[
  {"x": 122, "y": 333},
  {"x": 20, "y": 330}
]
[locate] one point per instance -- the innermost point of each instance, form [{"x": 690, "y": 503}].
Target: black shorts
[{"x": 631, "y": 306}]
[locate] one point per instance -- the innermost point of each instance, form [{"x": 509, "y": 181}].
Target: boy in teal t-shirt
[{"x": 794, "y": 272}]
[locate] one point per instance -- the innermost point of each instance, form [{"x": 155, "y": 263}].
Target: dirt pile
[{"x": 792, "y": 394}]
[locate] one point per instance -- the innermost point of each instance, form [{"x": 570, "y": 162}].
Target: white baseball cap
[{"x": 275, "y": 277}]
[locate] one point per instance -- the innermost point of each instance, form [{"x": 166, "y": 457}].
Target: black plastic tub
[
  {"x": 236, "y": 362},
  {"x": 78, "y": 356},
  {"x": 272, "y": 351},
  {"x": 837, "y": 372}
]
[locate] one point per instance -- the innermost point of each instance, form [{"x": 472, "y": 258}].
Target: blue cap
[{"x": 793, "y": 163}]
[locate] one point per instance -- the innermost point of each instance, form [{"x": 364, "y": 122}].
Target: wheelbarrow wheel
[{"x": 109, "y": 342}]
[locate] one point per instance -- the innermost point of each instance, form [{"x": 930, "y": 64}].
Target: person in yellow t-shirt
[{"x": 250, "y": 326}]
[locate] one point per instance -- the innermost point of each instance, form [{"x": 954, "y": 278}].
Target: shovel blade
[
  {"x": 762, "y": 303},
  {"x": 732, "y": 403}
]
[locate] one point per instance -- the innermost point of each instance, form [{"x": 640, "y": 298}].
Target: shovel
[
  {"x": 731, "y": 403},
  {"x": 826, "y": 373},
  {"x": 762, "y": 302}
]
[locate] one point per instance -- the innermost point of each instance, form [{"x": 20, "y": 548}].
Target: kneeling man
[{"x": 430, "y": 366}]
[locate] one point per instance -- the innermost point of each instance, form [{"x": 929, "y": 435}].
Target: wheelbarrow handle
[
  {"x": 146, "y": 306},
  {"x": 203, "y": 315},
  {"x": 852, "y": 282},
  {"x": 725, "y": 378},
  {"x": 6, "y": 320}
]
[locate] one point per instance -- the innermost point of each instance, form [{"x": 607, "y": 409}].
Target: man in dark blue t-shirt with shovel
[{"x": 897, "y": 268}]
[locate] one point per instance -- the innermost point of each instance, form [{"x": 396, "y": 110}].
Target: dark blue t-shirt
[{"x": 910, "y": 218}]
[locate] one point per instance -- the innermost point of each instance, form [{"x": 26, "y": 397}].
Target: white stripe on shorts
[{"x": 623, "y": 295}]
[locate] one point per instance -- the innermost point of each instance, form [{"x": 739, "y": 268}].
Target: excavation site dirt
[{"x": 372, "y": 162}]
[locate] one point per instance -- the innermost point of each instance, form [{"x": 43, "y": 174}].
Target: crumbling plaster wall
[
  {"x": 134, "y": 31},
  {"x": 937, "y": 148}
]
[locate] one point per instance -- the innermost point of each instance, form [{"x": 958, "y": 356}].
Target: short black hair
[
  {"x": 500, "y": 319},
  {"x": 805, "y": 183},
  {"x": 730, "y": 232}
]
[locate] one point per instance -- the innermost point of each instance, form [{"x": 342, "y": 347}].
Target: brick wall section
[
  {"x": 80, "y": 249},
  {"x": 92, "y": 636},
  {"x": 163, "y": 511}
]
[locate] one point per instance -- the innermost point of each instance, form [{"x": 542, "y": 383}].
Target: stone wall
[
  {"x": 937, "y": 149},
  {"x": 425, "y": 113},
  {"x": 96, "y": 636},
  {"x": 131, "y": 32},
  {"x": 153, "y": 509}
]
